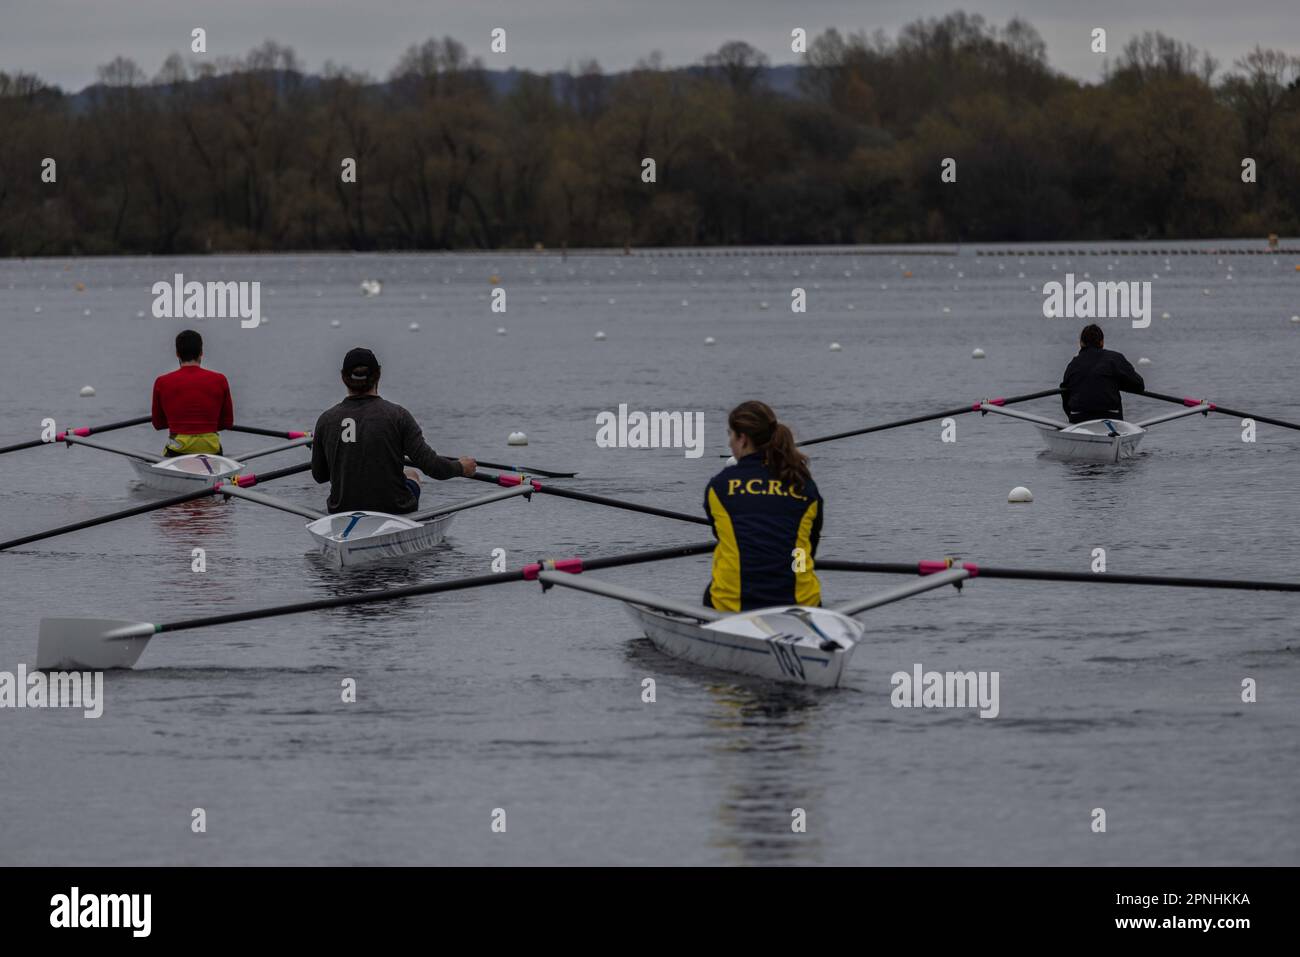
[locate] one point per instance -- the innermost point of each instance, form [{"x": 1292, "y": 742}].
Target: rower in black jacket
[{"x": 1094, "y": 379}]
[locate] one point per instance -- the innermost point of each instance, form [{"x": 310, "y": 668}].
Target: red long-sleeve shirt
[{"x": 191, "y": 401}]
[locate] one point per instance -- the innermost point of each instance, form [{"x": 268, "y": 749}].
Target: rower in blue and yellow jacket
[{"x": 766, "y": 514}]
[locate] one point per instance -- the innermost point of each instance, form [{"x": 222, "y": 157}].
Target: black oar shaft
[
  {"x": 273, "y": 433},
  {"x": 104, "y": 519},
  {"x": 432, "y": 588},
  {"x": 523, "y": 469},
  {"x": 1223, "y": 410},
  {"x": 928, "y": 417},
  {"x": 601, "y": 500},
  {"x": 142, "y": 509},
  {"x": 518, "y": 469},
  {"x": 90, "y": 430},
  {"x": 620, "y": 503},
  {"x": 1053, "y": 575}
]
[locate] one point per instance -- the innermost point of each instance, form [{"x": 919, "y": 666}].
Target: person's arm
[
  {"x": 1129, "y": 380},
  {"x": 708, "y": 508},
  {"x": 320, "y": 466},
  {"x": 227, "y": 417},
  {"x": 815, "y": 535},
  {"x": 159, "y": 416},
  {"x": 422, "y": 457},
  {"x": 1065, "y": 390}
]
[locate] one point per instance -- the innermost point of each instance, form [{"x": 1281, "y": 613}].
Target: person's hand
[{"x": 467, "y": 466}]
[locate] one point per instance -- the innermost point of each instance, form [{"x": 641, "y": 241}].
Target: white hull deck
[
  {"x": 781, "y": 644},
  {"x": 185, "y": 473},
  {"x": 1098, "y": 440},
  {"x": 355, "y": 538}
]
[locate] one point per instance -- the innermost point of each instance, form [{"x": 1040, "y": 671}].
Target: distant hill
[{"x": 782, "y": 80}]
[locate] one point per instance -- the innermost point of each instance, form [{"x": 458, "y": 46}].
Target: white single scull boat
[
  {"x": 788, "y": 643},
  {"x": 1097, "y": 440},
  {"x": 360, "y": 537},
  {"x": 186, "y": 473}
]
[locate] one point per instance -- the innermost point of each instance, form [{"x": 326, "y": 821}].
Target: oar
[
  {"x": 84, "y": 431},
  {"x": 148, "y": 457},
  {"x": 525, "y": 469},
  {"x": 241, "y": 480},
  {"x": 100, "y": 643},
  {"x": 1051, "y": 575},
  {"x": 273, "y": 433},
  {"x": 1222, "y": 410},
  {"x": 302, "y": 439},
  {"x": 930, "y": 417},
  {"x": 544, "y": 473},
  {"x": 509, "y": 480}
]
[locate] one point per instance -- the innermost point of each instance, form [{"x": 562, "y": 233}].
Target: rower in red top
[{"x": 192, "y": 403}]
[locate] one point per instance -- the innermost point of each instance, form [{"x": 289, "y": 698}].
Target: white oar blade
[{"x": 82, "y": 644}]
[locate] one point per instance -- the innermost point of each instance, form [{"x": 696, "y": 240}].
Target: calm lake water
[{"x": 1114, "y": 697}]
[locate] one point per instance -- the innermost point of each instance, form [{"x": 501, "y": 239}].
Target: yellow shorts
[{"x": 206, "y": 443}]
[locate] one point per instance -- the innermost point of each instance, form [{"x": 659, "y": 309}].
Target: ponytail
[{"x": 774, "y": 439}]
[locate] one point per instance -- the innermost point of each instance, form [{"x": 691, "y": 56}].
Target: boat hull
[
  {"x": 1092, "y": 441},
  {"x": 185, "y": 473},
  {"x": 773, "y": 643},
  {"x": 357, "y": 538}
]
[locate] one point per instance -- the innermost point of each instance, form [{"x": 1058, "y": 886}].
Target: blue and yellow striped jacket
[{"x": 759, "y": 524}]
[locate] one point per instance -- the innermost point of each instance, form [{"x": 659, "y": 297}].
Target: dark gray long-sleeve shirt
[
  {"x": 365, "y": 474},
  {"x": 1093, "y": 381}
]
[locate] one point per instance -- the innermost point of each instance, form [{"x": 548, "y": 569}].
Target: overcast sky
[{"x": 63, "y": 41}]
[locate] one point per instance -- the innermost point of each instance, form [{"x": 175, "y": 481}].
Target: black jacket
[
  {"x": 1093, "y": 381},
  {"x": 365, "y": 474}
]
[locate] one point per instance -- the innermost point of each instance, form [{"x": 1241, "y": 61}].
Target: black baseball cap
[{"x": 360, "y": 360}]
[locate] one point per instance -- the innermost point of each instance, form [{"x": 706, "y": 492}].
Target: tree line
[{"x": 246, "y": 153}]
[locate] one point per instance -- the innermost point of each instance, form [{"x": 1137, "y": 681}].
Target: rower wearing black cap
[
  {"x": 361, "y": 446},
  {"x": 1094, "y": 379}
]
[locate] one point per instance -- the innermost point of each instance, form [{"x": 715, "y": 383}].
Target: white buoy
[
  {"x": 38, "y": 308},
  {"x": 517, "y": 438},
  {"x": 139, "y": 314},
  {"x": 836, "y": 347},
  {"x": 977, "y": 353},
  {"x": 946, "y": 309},
  {"x": 1164, "y": 315},
  {"x": 335, "y": 324},
  {"x": 1295, "y": 319},
  {"x": 1144, "y": 361},
  {"x": 600, "y": 337},
  {"x": 87, "y": 391},
  {"x": 1020, "y": 494},
  {"x": 414, "y": 327},
  {"x": 709, "y": 340},
  {"x": 501, "y": 330}
]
